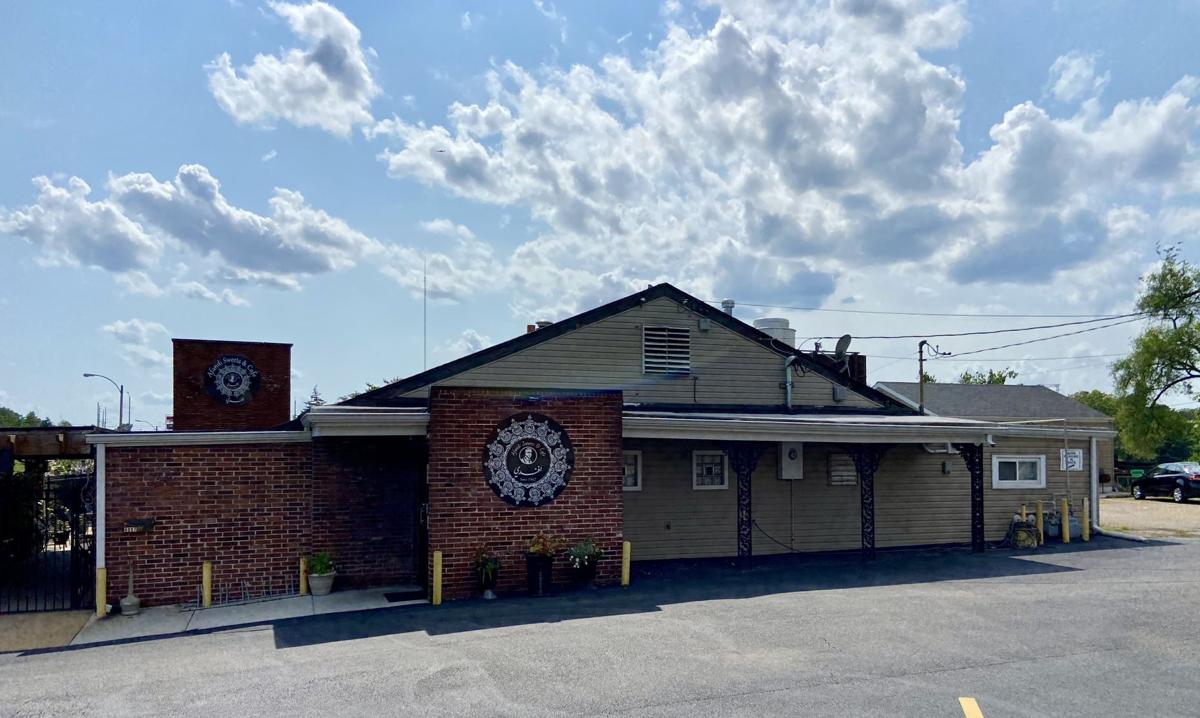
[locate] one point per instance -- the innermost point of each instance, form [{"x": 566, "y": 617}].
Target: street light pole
[{"x": 120, "y": 394}]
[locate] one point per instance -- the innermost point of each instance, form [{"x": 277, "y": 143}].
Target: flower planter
[
  {"x": 540, "y": 573},
  {"x": 321, "y": 584},
  {"x": 585, "y": 576}
]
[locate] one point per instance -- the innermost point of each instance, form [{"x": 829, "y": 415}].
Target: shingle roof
[{"x": 1007, "y": 401}]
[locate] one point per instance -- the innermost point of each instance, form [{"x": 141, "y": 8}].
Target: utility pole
[
  {"x": 120, "y": 397},
  {"x": 921, "y": 370}
]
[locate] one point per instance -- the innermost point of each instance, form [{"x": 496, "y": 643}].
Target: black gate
[{"x": 46, "y": 542}]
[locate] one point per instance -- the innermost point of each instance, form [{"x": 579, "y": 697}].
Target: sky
[{"x": 388, "y": 186}]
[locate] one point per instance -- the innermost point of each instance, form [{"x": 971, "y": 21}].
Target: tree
[
  {"x": 370, "y": 387},
  {"x": 8, "y": 417},
  {"x": 992, "y": 376},
  {"x": 928, "y": 378},
  {"x": 1165, "y": 359},
  {"x": 314, "y": 399}
]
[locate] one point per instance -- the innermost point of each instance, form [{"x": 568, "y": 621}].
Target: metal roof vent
[{"x": 778, "y": 328}]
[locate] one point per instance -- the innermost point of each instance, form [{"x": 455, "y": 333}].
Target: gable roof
[
  {"x": 999, "y": 401},
  {"x": 393, "y": 394}
]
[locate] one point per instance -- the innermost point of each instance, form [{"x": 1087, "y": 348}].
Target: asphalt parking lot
[{"x": 1108, "y": 628}]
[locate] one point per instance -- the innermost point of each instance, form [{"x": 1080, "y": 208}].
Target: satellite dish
[{"x": 843, "y": 344}]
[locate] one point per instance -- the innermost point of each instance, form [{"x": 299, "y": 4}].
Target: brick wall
[
  {"x": 366, "y": 494},
  {"x": 464, "y": 511},
  {"x": 196, "y": 410},
  {"x": 244, "y": 507}
]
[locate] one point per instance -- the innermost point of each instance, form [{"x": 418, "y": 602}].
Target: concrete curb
[{"x": 1122, "y": 535}]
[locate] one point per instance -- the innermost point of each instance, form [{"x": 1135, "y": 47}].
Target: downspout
[
  {"x": 787, "y": 378},
  {"x": 1095, "y": 488},
  {"x": 100, "y": 523}
]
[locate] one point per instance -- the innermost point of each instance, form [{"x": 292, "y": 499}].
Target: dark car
[{"x": 1179, "y": 480}]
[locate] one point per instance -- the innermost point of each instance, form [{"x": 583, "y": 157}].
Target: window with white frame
[
  {"x": 1018, "y": 472},
  {"x": 710, "y": 470},
  {"x": 632, "y": 460},
  {"x": 666, "y": 350}
]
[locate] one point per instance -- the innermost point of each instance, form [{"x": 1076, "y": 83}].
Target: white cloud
[
  {"x": 469, "y": 342},
  {"x": 154, "y": 397},
  {"x": 328, "y": 84},
  {"x": 1073, "y": 77},
  {"x": 136, "y": 337},
  {"x": 550, "y": 12},
  {"x": 778, "y": 152},
  {"x": 465, "y": 21},
  {"x": 269, "y": 156},
  {"x": 466, "y": 268}
]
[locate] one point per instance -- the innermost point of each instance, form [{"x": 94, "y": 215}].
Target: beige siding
[
  {"x": 1000, "y": 504},
  {"x": 726, "y": 367},
  {"x": 916, "y": 502}
]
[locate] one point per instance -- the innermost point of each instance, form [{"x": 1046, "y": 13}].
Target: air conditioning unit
[{"x": 791, "y": 460}]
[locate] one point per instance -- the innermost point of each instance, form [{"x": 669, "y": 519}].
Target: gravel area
[{"x": 1152, "y": 517}]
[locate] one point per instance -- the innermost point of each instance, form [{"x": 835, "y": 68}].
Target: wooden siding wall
[
  {"x": 726, "y": 367},
  {"x": 916, "y": 503}
]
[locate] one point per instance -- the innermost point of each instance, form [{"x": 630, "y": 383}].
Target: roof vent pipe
[
  {"x": 542, "y": 324},
  {"x": 727, "y": 306}
]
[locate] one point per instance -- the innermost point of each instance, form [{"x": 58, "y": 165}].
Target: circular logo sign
[
  {"x": 528, "y": 460},
  {"x": 232, "y": 379}
]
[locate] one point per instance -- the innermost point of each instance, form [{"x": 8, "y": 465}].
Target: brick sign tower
[{"x": 231, "y": 386}]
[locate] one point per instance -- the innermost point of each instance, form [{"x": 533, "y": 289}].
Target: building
[{"x": 655, "y": 419}]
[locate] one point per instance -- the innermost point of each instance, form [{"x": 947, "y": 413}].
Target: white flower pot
[{"x": 321, "y": 584}]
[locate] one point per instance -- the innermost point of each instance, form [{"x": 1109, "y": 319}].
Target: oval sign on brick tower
[
  {"x": 528, "y": 459},
  {"x": 232, "y": 379}
]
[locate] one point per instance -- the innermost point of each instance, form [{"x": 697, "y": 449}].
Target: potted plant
[
  {"x": 583, "y": 558},
  {"x": 539, "y": 563},
  {"x": 487, "y": 565},
  {"x": 321, "y": 573}
]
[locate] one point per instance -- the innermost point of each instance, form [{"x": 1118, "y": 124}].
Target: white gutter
[
  {"x": 375, "y": 421},
  {"x": 1094, "y": 465},
  {"x": 100, "y": 506},
  {"x": 787, "y": 378},
  {"x": 196, "y": 438}
]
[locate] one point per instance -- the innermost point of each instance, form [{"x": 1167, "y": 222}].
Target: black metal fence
[{"x": 47, "y": 539}]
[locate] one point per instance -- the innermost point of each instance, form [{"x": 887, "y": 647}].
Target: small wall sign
[
  {"x": 232, "y": 379},
  {"x": 528, "y": 459},
  {"x": 1070, "y": 459},
  {"x": 138, "y": 526}
]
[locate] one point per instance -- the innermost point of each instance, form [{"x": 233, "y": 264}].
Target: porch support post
[
  {"x": 972, "y": 455},
  {"x": 743, "y": 459},
  {"x": 867, "y": 458}
]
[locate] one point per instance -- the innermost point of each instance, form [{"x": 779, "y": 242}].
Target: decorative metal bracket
[
  {"x": 743, "y": 459},
  {"x": 972, "y": 455},
  {"x": 867, "y": 458}
]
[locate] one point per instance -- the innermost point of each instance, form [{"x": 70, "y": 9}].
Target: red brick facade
[
  {"x": 244, "y": 507},
  {"x": 255, "y": 509},
  {"x": 464, "y": 512},
  {"x": 196, "y": 410}
]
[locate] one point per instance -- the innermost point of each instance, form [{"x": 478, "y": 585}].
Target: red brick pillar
[{"x": 465, "y": 512}]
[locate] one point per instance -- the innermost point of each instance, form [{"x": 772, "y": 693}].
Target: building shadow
[{"x": 661, "y": 583}]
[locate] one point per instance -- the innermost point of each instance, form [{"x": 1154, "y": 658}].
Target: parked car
[{"x": 1179, "y": 480}]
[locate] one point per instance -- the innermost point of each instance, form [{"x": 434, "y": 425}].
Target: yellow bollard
[
  {"x": 437, "y": 578},
  {"x": 303, "y": 576},
  {"x": 1023, "y": 514},
  {"x": 1041, "y": 523},
  {"x": 1066, "y": 521},
  {"x": 1087, "y": 520},
  {"x": 206, "y": 585},
  {"x": 101, "y": 591},
  {"x": 626, "y": 557}
]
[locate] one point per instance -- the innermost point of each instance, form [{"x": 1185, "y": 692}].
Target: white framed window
[
  {"x": 1018, "y": 472},
  {"x": 666, "y": 350},
  {"x": 710, "y": 470},
  {"x": 632, "y": 477}
]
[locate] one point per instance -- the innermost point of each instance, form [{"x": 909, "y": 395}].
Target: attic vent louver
[{"x": 666, "y": 350}]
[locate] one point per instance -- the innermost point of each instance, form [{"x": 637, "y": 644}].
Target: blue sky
[{"x": 282, "y": 171}]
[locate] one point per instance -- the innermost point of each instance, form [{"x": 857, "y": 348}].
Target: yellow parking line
[{"x": 970, "y": 708}]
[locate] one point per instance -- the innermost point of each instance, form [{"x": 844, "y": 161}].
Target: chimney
[
  {"x": 542, "y": 324},
  {"x": 727, "y": 306},
  {"x": 858, "y": 367},
  {"x": 530, "y": 328}
]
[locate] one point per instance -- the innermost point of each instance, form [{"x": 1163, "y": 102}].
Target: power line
[
  {"x": 999, "y": 331},
  {"x": 920, "y": 314},
  {"x": 943, "y": 359},
  {"x": 1042, "y": 339}
]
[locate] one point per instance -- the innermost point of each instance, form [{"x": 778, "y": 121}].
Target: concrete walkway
[{"x": 167, "y": 620}]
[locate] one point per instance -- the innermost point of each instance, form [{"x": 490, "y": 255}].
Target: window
[
  {"x": 632, "y": 461},
  {"x": 842, "y": 471},
  {"x": 710, "y": 470},
  {"x": 666, "y": 350},
  {"x": 1018, "y": 472}
]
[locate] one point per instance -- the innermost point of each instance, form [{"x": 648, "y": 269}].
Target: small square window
[
  {"x": 1018, "y": 472},
  {"x": 710, "y": 470},
  {"x": 632, "y": 476}
]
